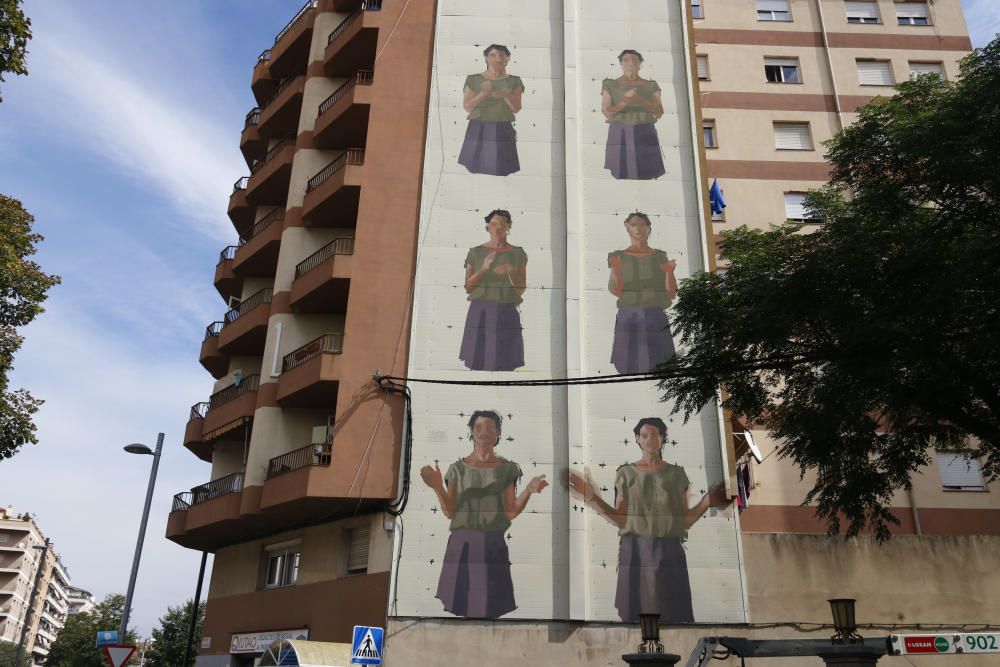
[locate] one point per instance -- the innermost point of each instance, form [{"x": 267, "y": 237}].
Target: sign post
[
  {"x": 118, "y": 654},
  {"x": 945, "y": 643}
]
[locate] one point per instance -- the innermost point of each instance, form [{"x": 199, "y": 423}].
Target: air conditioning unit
[{"x": 320, "y": 434}]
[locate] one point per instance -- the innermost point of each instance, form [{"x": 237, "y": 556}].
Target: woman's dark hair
[
  {"x": 502, "y": 213},
  {"x": 487, "y": 414},
  {"x": 638, "y": 214},
  {"x": 629, "y": 52},
  {"x": 651, "y": 421},
  {"x": 502, "y": 49}
]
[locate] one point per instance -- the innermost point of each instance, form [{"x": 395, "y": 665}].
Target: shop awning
[{"x": 298, "y": 653}]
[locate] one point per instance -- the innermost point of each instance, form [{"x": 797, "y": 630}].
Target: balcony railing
[
  {"x": 248, "y": 304},
  {"x": 353, "y": 156},
  {"x": 328, "y": 343},
  {"x": 342, "y": 246},
  {"x": 366, "y": 6},
  {"x": 360, "y": 78},
  {"x": 198, "y": 410},
  {"x": 295, "y": 19},
  {"x": 182, "y": 502},
  {"x": 312, "y": 455},
  {"x": 217, "y": 487},
  {"x": 282, "y": 87},
  {"x": 265, "y": 56},
  {"x": 241, "y": 184},
  {"x": 277, "y": 215},
  {"x": 253, "y": 117},
  {"x": 213, "y": 329},
  {"x": 234, "y": 391},
  {"x": 228, "y": 252},
  {"x": 270, "y": 155}
]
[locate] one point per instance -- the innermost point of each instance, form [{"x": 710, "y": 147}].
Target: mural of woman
[
  {"x": 495, "y": 279},
  {"x": 491, "y": 98},
  {"x": 632, "y": 105},
  {"x": 652, "y": 515},
  {"x": 643, "y": 280},
  {"x": 479, "y": 495}
]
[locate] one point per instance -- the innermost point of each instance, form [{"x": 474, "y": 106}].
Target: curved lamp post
[{"x": 138, "y": 448}]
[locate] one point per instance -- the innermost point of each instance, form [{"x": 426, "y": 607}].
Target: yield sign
[{"x": 118, "y": 654}]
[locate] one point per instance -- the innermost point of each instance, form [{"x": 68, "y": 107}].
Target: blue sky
[{"x": 124, "y": 144}]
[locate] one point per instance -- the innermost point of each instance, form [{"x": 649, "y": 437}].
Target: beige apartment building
[
  {"x": 361, "y": 200},
  {"x": 26, "y": 566}
]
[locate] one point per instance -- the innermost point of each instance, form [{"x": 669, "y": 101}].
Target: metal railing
[
  {"x": 353, "y": 156},
  {"x": 282, "y": 87},
  {"x": 277, "y": 215},
  {"x": 229, "y": 252},
  {"x": 331, "y": 343},
  {"x": 213, "y": 329},
  {"x": 264, "y": 57},
  {"x": 342, "y": 246},
  {"x": 371, "y": 5},
  {"x": 199, "y": 410},
  {"x": 295, "y": 19},
  {"x": 232, "y": 392},
  {"x": 342, "y": 26},
  {"x": 182, "y": 502},
  {"x": 241, "y": 184},
  {"x": 253, "y": 117},
  {"x": 360, "y": 78},
  {"x": 248, "y": 304},
  {"x": 311, "y": 455},
  {"x": 271, "y": 154},
  {"x": 217, "y": 487}
]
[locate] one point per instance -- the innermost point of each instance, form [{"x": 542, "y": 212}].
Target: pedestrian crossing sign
[{"x": 366, "y": 648}]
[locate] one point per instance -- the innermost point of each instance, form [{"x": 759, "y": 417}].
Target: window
[
  {"x": 782, "y": 70},
  {"x": 792, "y": 137},
  {"x": 708, "y": 132},
  {"x": 875, "y": 73},
  {"x": 703, "y": 68},
  {"x": 912, "y": 13},
  {"x": 795, "y": 208},
  {"x": 773, "y": 10},
  {"x": 697, "y": 11},
  {"x": 357, "y": 550},
  {"x": 862, "y": 12},
  {"x": 960, "y": 472},
  {"x": 916, "y": 69},
  {"x": 282, "y": 565}
]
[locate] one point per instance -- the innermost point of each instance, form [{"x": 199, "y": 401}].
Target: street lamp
[
  {"x": 138, "y": 448},
  {"x": 650, "y": 650},
  {"x": 844, "y": 621}
]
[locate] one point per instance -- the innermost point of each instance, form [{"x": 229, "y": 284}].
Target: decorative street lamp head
[
  {"x": 649, "y": 624},
  {"x": 844, "y": 621}
]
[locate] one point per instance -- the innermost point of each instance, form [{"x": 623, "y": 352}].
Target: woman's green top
[
  {"x": 493, "y": 108},
  {"x": 654, "y": 501},
  {"x": 496, "y": 287},
  {"x": 480, "y": 494},
  {"x": 633, "y": 114},
  {"x": 643, "y": 279}
]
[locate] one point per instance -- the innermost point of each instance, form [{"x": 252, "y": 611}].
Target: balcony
[
  {"x": 262, "y": 83},
  {"x": 311, "y": 455},
  {"x": 252, "y": 144},
  {"x": 279, "y": 116},
  {"x": 310, "y": 375},
  {"x": 323, "y": 280},
  {"x": 269, "y": 177},
  {"x": 206, "y": 516},
  {"x": 257, "y": 253},
  {"x": 291, "y": 46},
  {"x": 226, "y": 282},
  {"x": 244, "y": 328},
  {"x": 240, "y": 208},
  {"x": 351, "y": 45},
  {"x": 332, "y": 194},
  {"x": 211, "y": 359},
  {"x": 342, "y": 118},
  {"x": 193, "y": 438}
]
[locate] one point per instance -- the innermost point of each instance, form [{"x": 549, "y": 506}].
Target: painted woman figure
[
  {"x": 632, "y": 105},
  {"x": 491, "y": 98},
  {"x": 643, "y": 280},
  {"x": 652, "y": 515},
  {"x": 479, "y": 495},
  {"x": 495, "y": 279}
]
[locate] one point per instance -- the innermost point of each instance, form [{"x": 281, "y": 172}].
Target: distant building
[{"x": 80, "y": 600}]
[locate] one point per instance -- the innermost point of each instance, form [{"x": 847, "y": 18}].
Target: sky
[{"x": 123, "y": 142}]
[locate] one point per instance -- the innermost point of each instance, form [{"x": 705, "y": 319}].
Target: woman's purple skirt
[
  {"x": 653, "y": 579},
  {"x": 492, "y": 340},
  {"x": 642, "y": 339},
  {"x": 475, "y": 576},
  {"x": 633, "y": 152},
  {"x": 490, "y": 147}
]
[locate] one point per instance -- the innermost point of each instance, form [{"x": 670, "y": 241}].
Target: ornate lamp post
[{"x": 650, "y": 650}]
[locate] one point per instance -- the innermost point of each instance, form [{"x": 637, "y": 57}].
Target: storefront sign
[
  {"x": 980, "y": 642},
  {"x": 256, "y": 642}
]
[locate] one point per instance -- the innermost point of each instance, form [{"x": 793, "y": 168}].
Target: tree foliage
[
  {"x": 74, "y": 645},
  {"x": 862, "y": 344},
  {"x": 8, "y": 654},
  {"x": 23, "y": 288},
  {"x": 15, "y": 31},
  {"x": 170, "y": 639}
]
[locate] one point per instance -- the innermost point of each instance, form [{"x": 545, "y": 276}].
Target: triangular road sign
[{"x": 118, "y": 654}]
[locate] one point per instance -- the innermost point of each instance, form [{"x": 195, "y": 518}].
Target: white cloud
[{"x": 983, "y": 18}]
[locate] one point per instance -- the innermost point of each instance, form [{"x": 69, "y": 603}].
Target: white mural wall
[{"x": 567, "y": 117}]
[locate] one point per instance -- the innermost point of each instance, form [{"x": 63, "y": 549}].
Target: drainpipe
[
  {"x": 915, "y": 512},
  {"x": 829, "y": 64}
]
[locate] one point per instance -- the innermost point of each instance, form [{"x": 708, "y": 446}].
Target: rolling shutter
[
  {"x": 792, "y": 136},
  {"x": 773, "y": 5},
  {"x": 357, "y": 557},
  {"x": 959, "y": 471},
  {"x": 927, "y": 68},
  {"x": 864, "y": 10},
  {"x": 702, "y": 68},
  {"x": 912, "y": 10},
  {"x": 795, "y": 206},
  {"x": 875, "y": 73}
]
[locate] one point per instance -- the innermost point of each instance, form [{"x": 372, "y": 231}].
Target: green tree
[
  {"x": 862, "y": 344},
  {"x": 23, "y": 288},
  {"x": 74, "y": 645},
  {"x": 8, "y": 654},
  {"x": 15, "y": 31},
  {"x": 170, "y": 639}
]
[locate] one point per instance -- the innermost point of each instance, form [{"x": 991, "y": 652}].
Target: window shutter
[
  {"x": 773, "y": 5},
  {"x": 702, "y": 67},
  {"x": 357, "y": 557},
  {"x": 781, "y": 62},
  {"x": 795, "y": 206},
  {"x": 874, "y": 73},
  {"x": 927, "y": 68},
  {"x": 912, "y": 10},
  {"x": 960, "y": 471},
  {"x": 792, "y": 136},
  {"x": 865, "y": 10}
]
